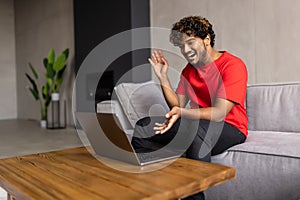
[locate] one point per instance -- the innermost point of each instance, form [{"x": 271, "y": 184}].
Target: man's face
[{"x": 194, "y": 50}]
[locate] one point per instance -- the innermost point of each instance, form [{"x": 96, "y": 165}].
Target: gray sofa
[{"x": 267, "y": 164}]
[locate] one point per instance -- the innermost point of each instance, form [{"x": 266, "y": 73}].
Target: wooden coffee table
[{"x": 76, "y": 174}]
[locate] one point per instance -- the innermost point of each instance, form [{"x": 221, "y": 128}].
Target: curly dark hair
[{"x": 196, "y": 26}]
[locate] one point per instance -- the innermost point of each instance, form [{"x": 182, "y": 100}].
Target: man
[{"x": 213, "y": 82}]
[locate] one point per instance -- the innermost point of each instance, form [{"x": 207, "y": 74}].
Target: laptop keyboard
[
  {"x": 147, "y": 157},
  {"x": 152, "y": 156}
]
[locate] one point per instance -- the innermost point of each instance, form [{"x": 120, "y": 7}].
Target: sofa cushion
[
  {"x": 274, "y": 107},
  {"x": 267, "y": 168},
  {"x": 140, "y": 100},
  {"x": 271, "y": 143}
]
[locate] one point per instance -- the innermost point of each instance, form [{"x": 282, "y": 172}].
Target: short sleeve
[
  {"x": 181, "y": 86},
  {"x": 234, "y": 81}
]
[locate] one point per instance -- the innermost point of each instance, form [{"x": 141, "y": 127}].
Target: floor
[{"x": 23, "y": 137}]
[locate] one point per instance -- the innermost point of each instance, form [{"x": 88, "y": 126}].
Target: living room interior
[{"x": 263, "y": 33}]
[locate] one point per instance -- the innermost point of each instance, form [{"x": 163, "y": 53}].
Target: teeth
[{"x": 191, "y": 55}]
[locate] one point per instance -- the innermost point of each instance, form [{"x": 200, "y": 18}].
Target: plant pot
[
  {"x": 55, "y": 97},
  {"x": 43, "y": 123}
]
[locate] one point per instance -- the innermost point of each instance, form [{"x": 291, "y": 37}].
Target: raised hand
[
  {"x": 159, "y": 64},
  {"x": 171, "y": 118}
]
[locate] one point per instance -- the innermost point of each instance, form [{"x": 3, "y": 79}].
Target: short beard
[{"x": 204, "y": 57}]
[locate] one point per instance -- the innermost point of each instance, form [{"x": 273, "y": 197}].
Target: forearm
[
  {"x": 210, "y": 113},
  {"x": 216, "y": 113},
  {"x": 169, "y": 93}
]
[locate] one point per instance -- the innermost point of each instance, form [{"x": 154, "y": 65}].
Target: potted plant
[
  {"x": 54, "y": 78},
  {"x": 55, "y": 69}
]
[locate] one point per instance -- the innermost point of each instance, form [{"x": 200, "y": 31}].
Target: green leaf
[
  {"x": 45, "y": 90},
  {"x": 33, "y": 71},
  {"x": 59, "y": 81},
  {"x": 48, "y": 100},
  {"x": 45, "y": 93},
  {"x": 45, "y": 62},
  {"x": 50, "y": 82},
  {"x": 59, "y": 78},
  {"x": 51, "y": 56},
  {"x": 34, "y": 93},
  {"x": 66, "y": 53},
  {"x": 59, "y": 63},
  {"x": 55, "y": 88},
  {"x": 34, "y": 86},
  {"x": 60, "y": 73},
  {"x": 50, "y": 71}
]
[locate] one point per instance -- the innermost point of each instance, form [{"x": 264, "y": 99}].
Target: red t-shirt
[{"x": 225, "y": 78}]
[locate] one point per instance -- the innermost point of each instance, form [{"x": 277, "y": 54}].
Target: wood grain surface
[{"x": 76, "y": 174}]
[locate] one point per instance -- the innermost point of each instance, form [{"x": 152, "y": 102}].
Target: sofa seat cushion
[
  {"x": 267, "y": 168},
  {"x": 271, "y": 143}
]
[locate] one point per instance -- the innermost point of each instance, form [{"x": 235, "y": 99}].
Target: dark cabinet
[{"x": 94, "y": 22}]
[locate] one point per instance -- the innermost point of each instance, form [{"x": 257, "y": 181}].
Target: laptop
[{"x": 109, "y": 140}]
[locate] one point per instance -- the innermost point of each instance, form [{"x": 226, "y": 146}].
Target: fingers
[
  {"x": 170, "y": 114},
  {"x": 175, "y": 111},
  {"x": 171, "y": 118},
  {"x": 157, "y": 57},
  {"x": 166, "y": 128},
  {"x": 151, "y": 62},
  {"x": 164, "y": 60},
  {"x": 154, "y": 58},
  {"x": 161, "y": 128}
]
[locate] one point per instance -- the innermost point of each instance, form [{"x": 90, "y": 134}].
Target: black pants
[{"x": 196, "y": 139}]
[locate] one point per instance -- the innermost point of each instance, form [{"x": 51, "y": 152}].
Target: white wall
[
  {"x": 265, "y": 34},
  {"x": 8, "y": 97}
]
